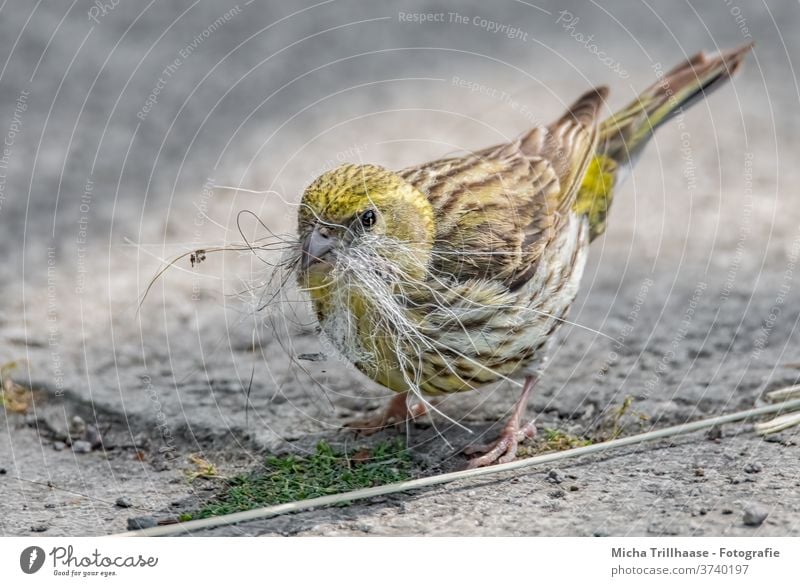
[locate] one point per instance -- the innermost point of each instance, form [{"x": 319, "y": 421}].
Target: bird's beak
[{"x": 316, "y": 246}]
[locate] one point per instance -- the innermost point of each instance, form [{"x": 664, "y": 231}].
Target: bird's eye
[{"x": 368, "y": 219}]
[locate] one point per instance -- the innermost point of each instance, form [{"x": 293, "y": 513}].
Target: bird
[{"x": 454, "y": 274}]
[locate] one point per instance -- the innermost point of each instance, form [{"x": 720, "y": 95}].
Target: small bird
[{"x": 457, "y": 273}]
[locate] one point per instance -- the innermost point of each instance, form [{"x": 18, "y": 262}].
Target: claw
[{"x": 504, "y": 449}]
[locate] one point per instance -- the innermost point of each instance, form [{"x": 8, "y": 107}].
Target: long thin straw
[{"x": 365, "y": 493}]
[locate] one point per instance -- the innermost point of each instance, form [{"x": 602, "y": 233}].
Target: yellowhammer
[{"x": 454, "y": 274}]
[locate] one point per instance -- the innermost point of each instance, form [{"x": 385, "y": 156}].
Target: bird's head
[{"x": 355, "y": 216}]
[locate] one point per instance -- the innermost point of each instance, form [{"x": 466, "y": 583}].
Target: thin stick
[{"x": 365, "y": 493}]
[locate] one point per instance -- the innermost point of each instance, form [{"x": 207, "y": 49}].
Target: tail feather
[
  {"x": 623, "y": 136},
  {"x": 626, "y": 133}
]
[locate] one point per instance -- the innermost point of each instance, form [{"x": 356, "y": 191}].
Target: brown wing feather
[{"x": 497, "y": 209}]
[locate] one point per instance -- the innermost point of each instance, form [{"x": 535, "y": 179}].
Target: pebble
[
  {"x": 754, "y": 514},
  {"x": 50, "y": 506},
  {"x": 123, "y": 503},
  {"x": 92, "y": 436},
  {"x": 41, "y": 528},
  {"x": 662, "y": 530},
  {"x": 141, "y": 440},
  {"x": 699, "y": 472},
  {"x": 81, "y": 447},
  {"x": 160, "y": 466},
  {"x": 77, "y": 426},
  {"x": 727, "y": 511},
  {"x": 3, "y": 471},
  {"x": 753, "y": 468},
  {"x": 554, "y": 476},
  {"x": 58, "y": 446},
  {"x": 135, "y": 523}
]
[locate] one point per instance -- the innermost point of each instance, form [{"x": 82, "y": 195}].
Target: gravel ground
[{"x": 691, "y": 287}]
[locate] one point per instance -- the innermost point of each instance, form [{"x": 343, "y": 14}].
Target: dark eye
[{"x": 368, "y": 219}]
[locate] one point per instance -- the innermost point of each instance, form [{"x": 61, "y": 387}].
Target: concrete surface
[{"x": 693, "y": 289}]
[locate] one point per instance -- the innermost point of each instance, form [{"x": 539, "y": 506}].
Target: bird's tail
[{"x": 623, "y": 136}]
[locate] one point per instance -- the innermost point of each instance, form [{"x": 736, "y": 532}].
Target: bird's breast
[{"x": 452, "y": 336}]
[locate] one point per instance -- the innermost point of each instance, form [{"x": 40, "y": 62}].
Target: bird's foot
[
  {"x": 504, "y": 449},
  {"x": 397, "y": 412}
]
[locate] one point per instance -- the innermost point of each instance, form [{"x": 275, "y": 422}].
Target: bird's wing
[{"x": 497, "y": 209}]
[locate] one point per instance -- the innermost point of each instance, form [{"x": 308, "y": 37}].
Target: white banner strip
[{"x": 399, "y": 561}]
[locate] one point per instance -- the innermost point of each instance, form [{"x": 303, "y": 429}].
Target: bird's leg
[
  {"x": 397, "y": 411},
  {"x": 505, "y": 448}
]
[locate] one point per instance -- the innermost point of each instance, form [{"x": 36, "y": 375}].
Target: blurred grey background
[{"x": 122, "y": 123}]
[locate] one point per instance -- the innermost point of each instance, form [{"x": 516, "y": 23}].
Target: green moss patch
[{"x": 293, "y": 478}]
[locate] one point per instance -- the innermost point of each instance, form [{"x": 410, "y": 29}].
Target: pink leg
[
  {"x": 505, "y": 448},
  {"x": 396, "y": 412}
]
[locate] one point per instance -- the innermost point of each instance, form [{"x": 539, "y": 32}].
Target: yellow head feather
[
  {"x": 342, "y": 193},
  {"x": 339, "y": 197}
]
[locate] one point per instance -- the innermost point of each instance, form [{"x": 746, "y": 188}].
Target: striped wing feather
[{"x": 497, "y": 209}]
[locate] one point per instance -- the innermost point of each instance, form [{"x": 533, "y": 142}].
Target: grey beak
[{"x": 319, "y": 243}]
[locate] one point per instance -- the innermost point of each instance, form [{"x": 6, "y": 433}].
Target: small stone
[
  {"x": 699, "y": 472},
  {"x": 727, "y": 511},
  {"x": 714, "y": 434},
  {"x": 3, "y": 471},
  {"x": 77, "y": 426},
  {"x": 553, "y": 476},
  {"x": 141, "y": 440},
  {"x": 662, "y": 530},
  {"x": 557, "y": 494},
  {"x": 753, "y": 468},
  {"x": 58, "y": 446},
  {"x": 92, "y": 436},
  {"x": 81, "y": 447},
  {"x": 600, "y": 533},
  {"x": 135, "y": 523},
  {"x": 160, "y": 466},
  {"x": 40, "y": 528},
  {"x": 123, "y": 503},
  {"x": 573, "y": 488},
  {"x": 312, "y": 357},
  {"x": 754, "y": 514}
]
